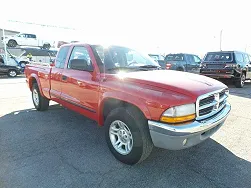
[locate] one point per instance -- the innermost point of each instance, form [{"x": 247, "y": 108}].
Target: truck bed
[{"x": 40, "y": 72}]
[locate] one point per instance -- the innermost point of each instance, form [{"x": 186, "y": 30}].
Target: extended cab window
[
  {"x": 82, "y": 59},
  {"x": 61, "y": 57}
]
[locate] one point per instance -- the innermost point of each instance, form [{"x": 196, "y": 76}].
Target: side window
[
  {"x": 197, "y": 59},
  {"x": 239, "y": 57},
  {"x": 190, "y": 59},
  {"x": 61, "y": 57},
  {"x": 81, "y": 59},
  {"x": 246, "y": 59}
]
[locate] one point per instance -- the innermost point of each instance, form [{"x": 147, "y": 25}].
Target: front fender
[
  {"x": 131, "y": 99},
  {"x": 34, "y": 76}
]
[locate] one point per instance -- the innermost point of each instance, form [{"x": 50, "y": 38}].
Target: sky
[{"x": 153, "y": 26}]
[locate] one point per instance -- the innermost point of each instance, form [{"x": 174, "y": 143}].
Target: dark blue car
[{"x": 182, "y": 62}]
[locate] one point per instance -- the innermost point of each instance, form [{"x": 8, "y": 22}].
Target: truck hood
[{"x": 189, "y": 84}]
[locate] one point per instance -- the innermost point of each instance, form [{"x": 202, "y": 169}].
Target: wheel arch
[
  {"x": 112, "y": 102},
  {"x": 13, "y": 40},
  {"x": 32, "y": 80}
]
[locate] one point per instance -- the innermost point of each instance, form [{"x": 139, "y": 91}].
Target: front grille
[
  {"x": 210, "y": 104},
  {"x": 207, "y": 100},
  {"x": 206, "y": 110}
]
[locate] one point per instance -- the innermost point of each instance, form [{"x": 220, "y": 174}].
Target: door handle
[
  {"x": 81, "y": 84},
  {"x": 64, "y": 77}
]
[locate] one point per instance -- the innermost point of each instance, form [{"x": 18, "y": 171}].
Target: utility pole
[
  {"x": 5, "y": 49},
  {"x": 220, "y": 39}
]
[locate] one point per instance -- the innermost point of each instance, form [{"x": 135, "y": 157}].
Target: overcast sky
[{"x": 168, "y": 26}]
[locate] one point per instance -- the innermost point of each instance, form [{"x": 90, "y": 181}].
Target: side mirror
[
  {"x": 52, "y": 63},
  {"x": 80, "y": 64}
]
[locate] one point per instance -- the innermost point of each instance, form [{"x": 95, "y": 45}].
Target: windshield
[
  {"x": 175, "y": 57},
  {"x": 115, "y": 57},
  {"x": 220, "y": 56}
]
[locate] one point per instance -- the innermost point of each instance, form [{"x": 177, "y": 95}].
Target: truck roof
[{"x": 231, "y": 51}]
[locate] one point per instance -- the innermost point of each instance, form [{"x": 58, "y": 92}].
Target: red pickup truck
[{"x": 139, "y": 104}]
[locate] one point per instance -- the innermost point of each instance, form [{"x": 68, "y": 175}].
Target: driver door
[{"x": 80, "y": 87}]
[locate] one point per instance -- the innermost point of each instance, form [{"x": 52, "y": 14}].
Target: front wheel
[
  {"x": 12, "y": 73},
  {"x": 41, "y": 103},
  {"x": 239, "y": 83},
  {"x": 46, "y": 46},
  {"x": 12, "y": 43},
  {"x": 127, "y": 135}
]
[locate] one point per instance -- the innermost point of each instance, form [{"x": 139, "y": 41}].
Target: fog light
[{"x": 184, "y": 142}]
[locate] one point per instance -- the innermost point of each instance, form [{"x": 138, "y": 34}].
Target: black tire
[
  {"x": 239, "y": 82},
  {"x": 12, "y": 73},
  {"x": 43, "y": 103},
  {"x": 180, "y": 69},
  {"x": 137, "y": 124},
  {"x": 46, "y": 46},
  {"x": 12, "y": 43}
]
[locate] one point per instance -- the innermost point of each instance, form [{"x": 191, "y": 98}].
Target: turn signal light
[{"x": 177, "y": 119}]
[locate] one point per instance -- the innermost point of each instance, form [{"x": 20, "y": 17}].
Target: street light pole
[
  {"x": 5, "y": 49},
  {"x": 220, "y": 39}
]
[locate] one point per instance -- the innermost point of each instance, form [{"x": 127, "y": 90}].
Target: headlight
[{"x": 179, "y": 114}]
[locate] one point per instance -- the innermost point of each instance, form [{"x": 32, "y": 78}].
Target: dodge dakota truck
[{"x": 139, "y": 104}]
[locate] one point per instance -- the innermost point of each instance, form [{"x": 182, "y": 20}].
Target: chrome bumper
[{"x": 187, "y": 135}]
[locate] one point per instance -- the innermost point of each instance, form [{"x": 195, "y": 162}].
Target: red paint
[{"x": 151, "y": 91}]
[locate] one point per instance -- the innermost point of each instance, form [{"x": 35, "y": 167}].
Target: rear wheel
[
  {"x": 180, "y": 69},
  {"x": 12, "y": 43},
  {"x": 127, "y": 135},
  {"x": 12, "y": 73},
  {"x": 41, "y": 103},
  {"x": 239, "y": 83}
]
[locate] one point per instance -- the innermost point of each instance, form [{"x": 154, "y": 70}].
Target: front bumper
[{"x": 183, "y": 136}]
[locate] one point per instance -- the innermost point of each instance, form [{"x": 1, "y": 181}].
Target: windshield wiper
[
  {"x": 120, "y": 68},
  {"x": 150, "y": 67}
]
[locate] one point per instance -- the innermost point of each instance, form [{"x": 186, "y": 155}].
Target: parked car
[
  {"x": 232, "y": 65},
  {"x": 11, "y": 71},
  {"x": 25, "y": 39},
  {"x": 38, "y": 55},
  {"x": 158, "y": 58},
  {"x": 11, "y": 60},
  {"x": 139, "y": 105},
  {"x": 183, "y": 62}
]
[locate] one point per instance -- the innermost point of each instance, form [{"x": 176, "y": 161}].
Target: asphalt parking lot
[{"x": 60, "y": 148}]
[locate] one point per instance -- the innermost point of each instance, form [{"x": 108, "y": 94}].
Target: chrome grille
[{"x": 211, "y": 103}]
